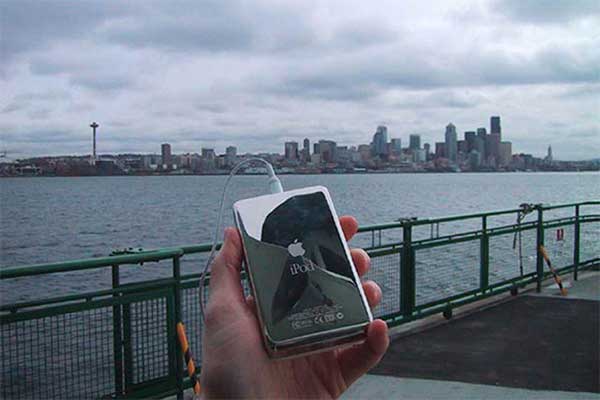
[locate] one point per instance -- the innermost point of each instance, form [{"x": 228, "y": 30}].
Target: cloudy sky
[{"x": 257, "y": 73}]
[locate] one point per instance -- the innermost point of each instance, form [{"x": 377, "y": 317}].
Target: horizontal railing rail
[{"x": 120, "y": 341}]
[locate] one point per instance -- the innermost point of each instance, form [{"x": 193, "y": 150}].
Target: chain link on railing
[{"x": 122, "y": 342}]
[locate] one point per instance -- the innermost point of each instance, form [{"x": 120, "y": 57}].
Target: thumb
[{"x": 225, "y": 269}]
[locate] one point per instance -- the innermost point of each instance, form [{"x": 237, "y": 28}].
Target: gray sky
[{"x": 255, "y": 74}]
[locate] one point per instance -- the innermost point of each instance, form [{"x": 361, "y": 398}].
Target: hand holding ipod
[
  {"x": 234, "y": 361},
  {"x": 307, "y": 291}
]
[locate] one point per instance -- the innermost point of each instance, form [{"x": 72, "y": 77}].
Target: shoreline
[{"x": 308, "y": 173}]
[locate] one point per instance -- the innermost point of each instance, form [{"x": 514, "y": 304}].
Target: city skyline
[
  {"x": 405, "y": 141},
  {"x": 476, "y": 150},
  {"x": 262, "y": 73}
]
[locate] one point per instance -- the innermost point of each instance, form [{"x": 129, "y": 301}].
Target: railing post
[
  {"x": 484, "y": 275},
  {"x": 117, "y": 335},
  {"x": 127, "y": 348},
  {"x": 539, "y": 242},
  {"x": 407, "y": 272},
  {"x": 178, "y": 318},
  {"x": 576, "y": 244}
]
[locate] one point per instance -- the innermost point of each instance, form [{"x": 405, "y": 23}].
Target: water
[{"x": 55, "y": 219}]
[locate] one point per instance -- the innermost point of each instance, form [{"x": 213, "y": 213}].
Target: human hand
[{"x": 235, "y": 363}]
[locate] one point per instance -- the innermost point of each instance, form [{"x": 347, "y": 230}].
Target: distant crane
[{"x": 94, "y": 125}]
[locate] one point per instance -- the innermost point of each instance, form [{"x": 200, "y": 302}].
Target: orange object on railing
[
  {"x": 189, "y": 359},
  {"x": 557, "y": 279}
]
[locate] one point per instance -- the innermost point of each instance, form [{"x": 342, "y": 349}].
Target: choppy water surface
[{"x": 56, "y": 219}]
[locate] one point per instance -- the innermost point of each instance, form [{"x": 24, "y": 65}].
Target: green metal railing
[{"x": 120, "y": 341}]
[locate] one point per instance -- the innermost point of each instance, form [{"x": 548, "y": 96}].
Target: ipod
[{"x": 307, "y": 292}]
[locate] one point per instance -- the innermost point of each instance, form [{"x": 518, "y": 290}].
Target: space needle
[{"x": 93, "y": 125}]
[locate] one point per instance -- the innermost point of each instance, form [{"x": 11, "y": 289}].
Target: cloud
[
  {"x": 211, "y": 26},
  {"x": 27, "y": 25},
  {"x": 457, "y": 98},
  {"x": 362, "y": 76},
  {"x": 256, "y": 74},
  {"x": 586, "y": 90},
  {"x": 362, "y": 33},
  {"x": 543, "y": 11},
  {"x": 108, "y": 69}
]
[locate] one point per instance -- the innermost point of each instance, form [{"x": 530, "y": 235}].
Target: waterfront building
[
  {"x": 427, "y": 149},
  {"x": 474, "y": 160},
  {"x": 380, "y": 139},
  {"x": 291, "y": 151},
  {"x": 505, "y": 153},
  {"x": 355, "y": 156},
  {"x": 230, "y": 155},
  {"x": 365, "y": 152},
  {"x": 342, "y": 154},
  {"x": 208, "y": 154},
  {"x": 414, "y": 142},
  {"x": 440, "y": 150},
  {"x": 396, "y": 146},
  {"x": 208, "y": 159},
  {"x": 470, "y": 139},
  {"x": 327, "y": 150},
  {"x": 462, "y": 146},
  {"x": 419, "y": 156},
  {"x": 451, "y": 143},
  {"x": 479, "y": 145},
  {"x": 151, "y": 161},
  {"x": 306, "y": 150},
  {"x": 492, "y": 146},
  {"x": 316, "y": 149},
  {"x": 165, "y": 151}
]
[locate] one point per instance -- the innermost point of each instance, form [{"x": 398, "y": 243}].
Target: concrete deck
[{"x": 535, "y": 346}]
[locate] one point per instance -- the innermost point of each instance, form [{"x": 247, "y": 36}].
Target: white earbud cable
[{"x": 274, "y": 186}]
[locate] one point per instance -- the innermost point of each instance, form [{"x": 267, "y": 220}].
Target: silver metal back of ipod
[{"x": 307, "y": 291}]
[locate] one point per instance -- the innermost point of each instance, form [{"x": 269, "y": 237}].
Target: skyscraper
[
  {"x": 306, "y": 149},
  {"x": 451, "y": 145},
  {"x": 495, "y": 125},
  {"x": 470, "y": 139},
  {"x": 396, "y": 145},
  {"x": 327, "y": 150},
  {"x": 414, "y": 142},
  {"x": 231, "y": 151},
  {"x": 440, "y": 150},
  {"x": 380, "y": 139},
  {"x": 291, "y": 150},
  {"x": 479, "y": 146},
  {"x": 492, "y": 146},
  {"x": 165, "y": 150},
  {"x": 505, "y": 153},
  {"x": 230, "y": 155},
  {"x": 482, "y": 134}
]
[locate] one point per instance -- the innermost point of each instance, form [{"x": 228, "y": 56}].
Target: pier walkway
[{"x": 533, "y": 346}]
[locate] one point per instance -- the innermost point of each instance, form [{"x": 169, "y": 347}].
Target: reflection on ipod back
[{"x": 307, "y": 291}]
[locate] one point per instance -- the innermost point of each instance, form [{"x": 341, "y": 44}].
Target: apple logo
[{"x": 295, "y": 249}]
